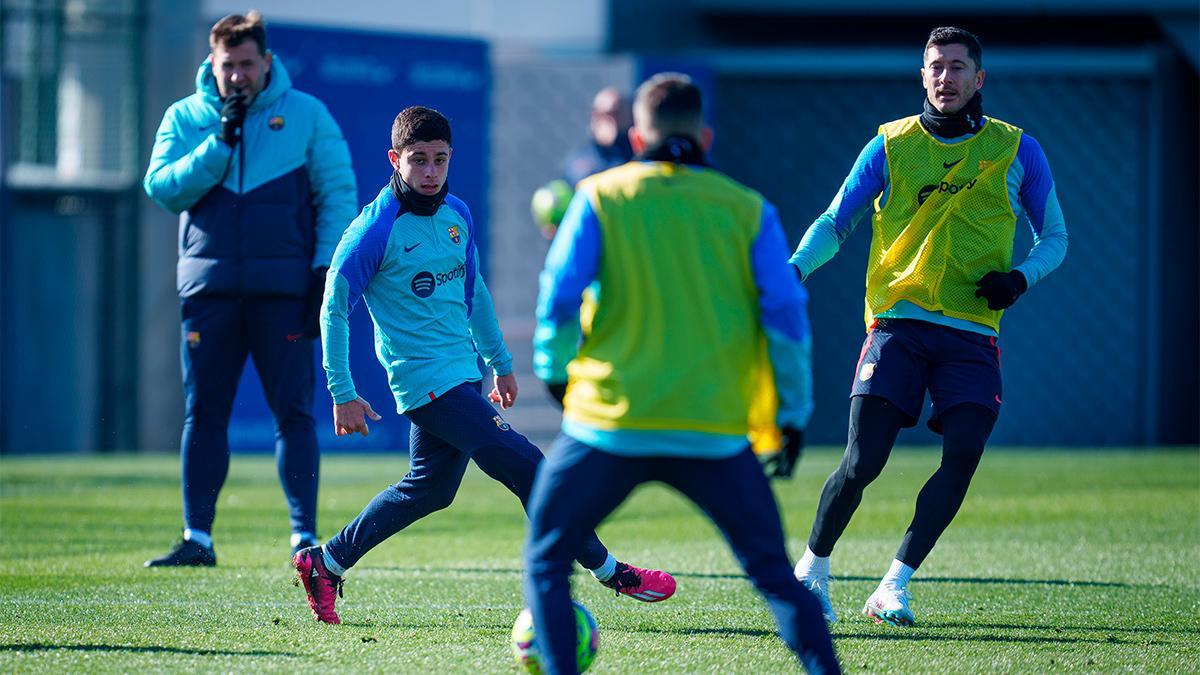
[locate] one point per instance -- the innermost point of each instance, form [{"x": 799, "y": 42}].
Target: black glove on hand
[
  {"x": 312, "y": 303},
  {"x": 233, "y": 114},
  {"x": 1001, "y": 289},
  {"x": 783, "y": 463},
  {"x": 557, "y": 391}
]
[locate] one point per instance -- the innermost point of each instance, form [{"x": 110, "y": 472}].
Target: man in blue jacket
[{"x": 260, "y": 175}]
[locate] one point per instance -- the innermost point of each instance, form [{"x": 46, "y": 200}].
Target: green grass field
[{"x": 1079, "y": 561}]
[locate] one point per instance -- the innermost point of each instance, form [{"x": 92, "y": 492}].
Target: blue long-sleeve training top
[{"x": 419, "y": 276}]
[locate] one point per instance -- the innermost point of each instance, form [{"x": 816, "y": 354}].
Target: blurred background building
[{"x": 1104, "y": 352}]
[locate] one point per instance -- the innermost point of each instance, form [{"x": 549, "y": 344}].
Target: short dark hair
[
  {"x": 669, "y": 104},
  {"x": 235, "y": 29},
  {"x": 950, "y": 35},
  {"x": 419, "y": 124}
]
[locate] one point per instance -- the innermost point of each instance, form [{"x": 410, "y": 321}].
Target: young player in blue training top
[
  {"x": 947, "y": 187},
  {"x": 411, "y": 256}
]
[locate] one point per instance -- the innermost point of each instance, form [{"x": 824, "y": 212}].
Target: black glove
[
  {"x": 557, "y": 391},
  {"x": 233, "y": 115},
  {"x": 783, "y": 463},
  {"x": 1001, "y": 289},
  {"x": 313, "y": 302}
]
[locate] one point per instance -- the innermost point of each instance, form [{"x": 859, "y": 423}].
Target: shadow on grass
[
  {"x": 940, "y": 580},
  {"x": 1068, "y": 629},
  {"x": 711, "y": 575},
  {"x": 911, "y": 634},
  {"x": 39, "y": 647}
]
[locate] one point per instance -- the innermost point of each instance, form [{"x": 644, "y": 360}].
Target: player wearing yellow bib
[{"x": 948, "y": 187}]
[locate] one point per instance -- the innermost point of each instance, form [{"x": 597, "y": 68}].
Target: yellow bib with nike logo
[{"x": 947, "y": 220}]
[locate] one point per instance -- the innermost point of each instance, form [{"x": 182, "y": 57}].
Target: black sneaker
[
  {"x": 186, "y": 553},
  {"x": 307, "y": 542}
]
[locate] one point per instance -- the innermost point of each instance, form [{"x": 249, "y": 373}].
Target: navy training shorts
[{"x": 901, "y": 358}]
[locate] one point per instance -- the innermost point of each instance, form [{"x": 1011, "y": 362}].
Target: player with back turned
[
  {"x": 948, "y": 187},
  {"x": 692, "y": 286}
]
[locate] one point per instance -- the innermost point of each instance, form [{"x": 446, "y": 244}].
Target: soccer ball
[
  {"x": 549, "y": 205},
  {"x": 524, "y": 642}
]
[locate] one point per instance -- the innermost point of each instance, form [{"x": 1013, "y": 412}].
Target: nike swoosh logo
[
  {"x": 950, "y": 164},
  {"x": 408, "y": 249}
]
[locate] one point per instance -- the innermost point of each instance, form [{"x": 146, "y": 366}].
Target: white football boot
[{"x": 889, "y": 604}]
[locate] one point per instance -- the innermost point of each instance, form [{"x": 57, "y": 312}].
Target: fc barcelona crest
[
  {"x": 454, "y": 236},
  {"x": 501, "y": 424},
  {"x": 275, "y": 123}
]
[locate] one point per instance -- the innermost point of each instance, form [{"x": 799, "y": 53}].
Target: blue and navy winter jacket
[{"x": 256, "y": 218}]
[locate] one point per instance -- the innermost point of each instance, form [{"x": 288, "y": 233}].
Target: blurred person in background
[
  {"x": 411, "y": 257},
  {"x": 608, "y": 146},
  {"x": 693, "y": 287},
  {"x": 948, "y": 187},
  {"x": 261, "y": 176}
]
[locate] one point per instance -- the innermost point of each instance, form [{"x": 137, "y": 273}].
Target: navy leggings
[{"x": 446, "y": 433}]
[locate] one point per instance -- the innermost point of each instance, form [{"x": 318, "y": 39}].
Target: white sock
[
  {"x": 331, "y": 564},
  {"x": 812, "y": 565},
  {"x": 297, "y": 537},
  {"x": 199, "y": 536},
  {"x": 607, "y": 570},
  {"x": 898, "y": 575}
]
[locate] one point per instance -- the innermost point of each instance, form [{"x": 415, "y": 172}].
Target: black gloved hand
[
  {"x": 233, "y": 115},
  {"x": 1001, "y": 289},
  {"x": 313, "y": 302},
  {"x": 557, "y": 391},
  {"x": 783, "y": 463}
]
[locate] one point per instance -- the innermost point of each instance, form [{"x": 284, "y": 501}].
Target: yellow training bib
[{"x": 947, "y": 220}]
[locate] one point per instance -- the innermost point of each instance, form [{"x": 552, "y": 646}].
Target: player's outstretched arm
[{"x": 823, "y": 239}]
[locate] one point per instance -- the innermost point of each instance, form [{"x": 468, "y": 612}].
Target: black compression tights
[{"x": 874, "y": 425}]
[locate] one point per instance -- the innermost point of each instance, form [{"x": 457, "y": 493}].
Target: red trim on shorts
[
  {"x": 996, "y": 347},
  {"x": 432, "y": 397}
]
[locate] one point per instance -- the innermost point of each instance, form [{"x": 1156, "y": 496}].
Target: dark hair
[
  {"x": 235, "y": 29},
  {"x": 419, "y": 124},
  {"x": 669, "y": 103},
  {"x": 949, "y": 35}
]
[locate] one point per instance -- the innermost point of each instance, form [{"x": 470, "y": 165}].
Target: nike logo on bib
[
  {"x": 408, "y": 249},
  {"x": 950, "y": 164}
]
